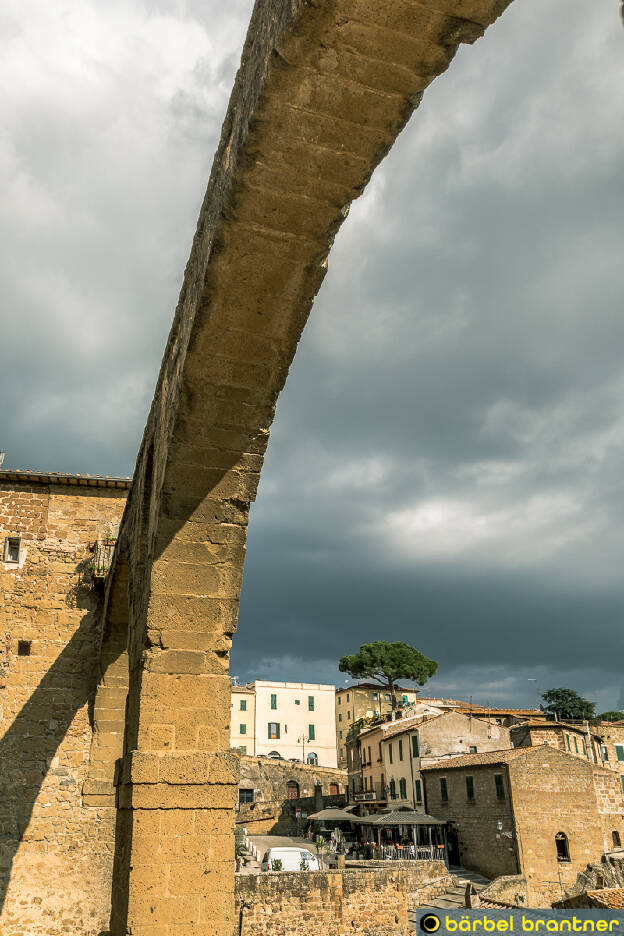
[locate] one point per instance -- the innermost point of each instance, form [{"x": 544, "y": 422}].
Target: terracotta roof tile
[
  {"x": 611, "y": 897},
  {"x": 485, "y": 758}
]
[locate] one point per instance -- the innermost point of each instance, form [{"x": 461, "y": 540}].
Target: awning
[
  {"x": 337, "y": 815},
  {"x": 400, "y": 817}
]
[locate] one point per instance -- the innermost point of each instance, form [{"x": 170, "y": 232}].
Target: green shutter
[
  {"x": 619, "y": 751},
  {"x": 273, "y": 701},
  {"x": 243, "y": 705},
  {"x": 310, "y": 703},
  {"x": 243, "y": 729},
  {"x": 418, "y": 786},
  {"x": 390, "y": 751},
  {"x": 622, "y": 779},
  {"x": 403, "y": 788},
  {"x": 500, "y": 786},
  {"x": 311, "y": 733},
  {"x": 470, "y": 787},
  {"x": 443, "y": 789},
  {"x": 400, "y": 749},
  {"x": 415, "y": 746}
]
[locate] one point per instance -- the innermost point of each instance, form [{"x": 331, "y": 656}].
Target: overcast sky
[{"x": 447, "y": 462}]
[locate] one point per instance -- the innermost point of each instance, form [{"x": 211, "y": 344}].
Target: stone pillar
[{"x": 177, "y": 781}]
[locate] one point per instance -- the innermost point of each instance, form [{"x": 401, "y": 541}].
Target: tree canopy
[
  {"x": 612, "y": 715},
  {"x": 386, "y": 662},
  {"x": 568, "y": 704}
]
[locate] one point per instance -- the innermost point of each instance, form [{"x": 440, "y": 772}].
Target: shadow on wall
[{"x": 30, "y": 744}]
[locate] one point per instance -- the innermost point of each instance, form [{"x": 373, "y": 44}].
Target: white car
[{"x": 292, "y": 859}]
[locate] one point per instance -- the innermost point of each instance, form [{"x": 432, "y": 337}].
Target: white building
[{"x": 296, "y": 721}]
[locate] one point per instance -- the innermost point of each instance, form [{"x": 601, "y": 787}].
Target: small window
[
  {"x": 380, "y": 752},
  {"x": 342, "y": 752},
  {"x": 370, "y": 757},
  {"x": 604, "y": 751},
  {"x": 23, "y": 647},
  {"x": 584, "y": 746},
  {"x": 443, "y": 790},
  {"x": 388, "y": 699},
  {"x": 619, "y": 751},
  {"x": 273, "y": 700},
  {"x": 245, "y": 796},
  {"x": 347, "y": 696},
  {"x": 311, "y": 735},
  {"x": 393, "y": 793},
  {"x": 339, "y": 700},
  {"x": 473, "y": 749},
  {"x": 404, "y": 698},
  {"x": 576, "y": 745},
  {"x": 400, "y": 749},
  {"x": 348, "y": 714},
  {"x": 243, "y": 729},
  {"x": 310, "y": 703},
  {"x": 298, "y": 701},
  {"x": 12, "y": 549},
  {"x": 470, "y": 788},
  {"x": 242, "y": 748},
  {"x": 274, "y": 731},
  {"x": 615, "y": 838},
  {"x": 333, "y": 789},
  {"x": 243, "y": 705},
  {"x": 500, "y": 786},
  {"x": 415, "y": 746},
  {"x": 622, "y": 781},
  {"x": 312, "y": 758},
  {"x": 418, "y": 788},
  {"x": 340, "y": 735},
  {"x": 563, "y": 849},
  {"x": 339, "y": 716},
  {"x": 403, "y": 788},
  {"x": 390, "y": 752},
  {"x": 375, "y": 696},
  {"x": 568, "y": 742},
  {"x": 292, "y": 790}
]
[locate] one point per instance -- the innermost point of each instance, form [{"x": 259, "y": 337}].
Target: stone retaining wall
[{"x": 370, "y": 901}]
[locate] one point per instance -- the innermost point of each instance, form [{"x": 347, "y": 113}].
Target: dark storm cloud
[{"x": 446, "y": 462}]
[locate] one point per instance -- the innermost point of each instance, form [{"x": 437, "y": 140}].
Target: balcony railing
[{"x": 101, "y": 558}]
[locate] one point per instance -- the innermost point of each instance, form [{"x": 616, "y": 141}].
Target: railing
[
  {"x": 408, "y": 852},
  {"x": 101, "y": 558}
]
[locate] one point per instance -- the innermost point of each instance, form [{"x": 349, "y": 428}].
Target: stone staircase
[{"x": 454, "y": 897}]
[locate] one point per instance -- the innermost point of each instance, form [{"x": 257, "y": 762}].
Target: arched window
[
  {"x": 616, "y": 839},
  {"x": 333, "y": 789},
  {"x": 312, "y": 758},
  {"x": 292, "y": 790},
  {"x": 563, "y": 850}
]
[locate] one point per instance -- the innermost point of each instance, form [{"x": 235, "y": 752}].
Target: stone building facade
[
  {"x": 610, "y": 740},
  {"x": 537, "y": 812},
  {"x": 56, "y": 851},
  {"x": 365, "y": 700},
  {"x": 578, "y": 740},
  {"x": 277, "y": 796},
  {"x": 392, "y": 754}
]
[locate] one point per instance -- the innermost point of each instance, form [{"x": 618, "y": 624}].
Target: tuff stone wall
[
  {"x": 56, "y": 854},
  {"x": 371, "y": 902},
  {"x": 271, "y": 810},
  {"x": 322, "y": 92}
]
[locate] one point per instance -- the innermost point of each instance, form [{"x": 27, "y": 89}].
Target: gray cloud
[{"x": 446, "y": 461}]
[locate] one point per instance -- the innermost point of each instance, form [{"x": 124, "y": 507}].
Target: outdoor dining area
[{"x": 393, "y": 835}]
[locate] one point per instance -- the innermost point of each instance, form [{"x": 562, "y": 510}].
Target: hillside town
[{"x": 478, "y": 805}]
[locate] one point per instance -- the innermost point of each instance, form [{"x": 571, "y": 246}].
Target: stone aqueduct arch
[{"x": 323, "y": 90}]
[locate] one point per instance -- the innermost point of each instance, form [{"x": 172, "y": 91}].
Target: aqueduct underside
[{"x": 323, "y": 90}]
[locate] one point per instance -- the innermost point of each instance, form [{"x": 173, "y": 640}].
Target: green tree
[
  {"x": 568, "y": 704},
  {"x": 611, "y": 716},
  {"x": 386, "y": 662}
]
